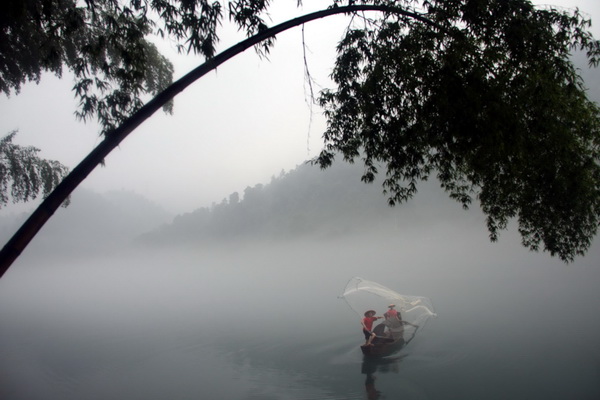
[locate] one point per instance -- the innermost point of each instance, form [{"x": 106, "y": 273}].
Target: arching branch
[{"x": 46, "y": 209}]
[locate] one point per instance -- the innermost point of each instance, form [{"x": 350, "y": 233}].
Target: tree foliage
[
  {"x": 107, "y": 46},
  {"x": 26, "y": 174},
  {"x": 491, "y": 105}
]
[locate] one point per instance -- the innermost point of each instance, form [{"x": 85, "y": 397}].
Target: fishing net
[{"x": 414, "y": 311}]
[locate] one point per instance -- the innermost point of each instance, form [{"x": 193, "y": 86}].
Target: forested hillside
[{"x": 306, "y": 201}]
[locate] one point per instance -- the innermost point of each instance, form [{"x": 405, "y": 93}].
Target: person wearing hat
[
  {"x": 393, "y": 318},
  {"x": 392, "y": 314},
  {"x": 367, "y": 324}
]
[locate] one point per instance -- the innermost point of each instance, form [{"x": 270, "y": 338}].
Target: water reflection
[
  {"x": 158, "y": 326},
  {"x": 372, "y": 393},
  {"x": 371, "y": 365}
]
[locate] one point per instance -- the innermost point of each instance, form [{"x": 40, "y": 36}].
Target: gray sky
[{"x": 233, "y": 128}]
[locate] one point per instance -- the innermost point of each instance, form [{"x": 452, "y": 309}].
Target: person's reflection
[
  {"x": 372, "y": 393},
  {"x": 371, "y": 365}
]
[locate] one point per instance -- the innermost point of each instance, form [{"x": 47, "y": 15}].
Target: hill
[{"x": 306, "y": 201}]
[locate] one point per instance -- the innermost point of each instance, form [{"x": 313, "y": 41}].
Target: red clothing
[
  {"x": 391, "y": 313},
  {"x": 368, "y": 322}
]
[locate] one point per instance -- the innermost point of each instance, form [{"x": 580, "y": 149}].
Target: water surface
[{"x": 263, "y": 321}]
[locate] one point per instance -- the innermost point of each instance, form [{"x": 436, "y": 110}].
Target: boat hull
[{"x": 382, "y": 348}]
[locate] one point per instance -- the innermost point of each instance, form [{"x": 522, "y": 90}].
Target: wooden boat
[
  {"x": 382, "y": 347},
  {"x": 388, "y": 341}
]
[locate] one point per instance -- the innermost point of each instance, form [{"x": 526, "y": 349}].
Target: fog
[{"x": 258, "y": 316}]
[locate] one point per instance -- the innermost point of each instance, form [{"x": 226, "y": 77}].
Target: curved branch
[{"x": 13, "y": 248}]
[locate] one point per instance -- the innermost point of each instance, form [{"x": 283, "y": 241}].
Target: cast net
[{"x": 413, "y": 311}]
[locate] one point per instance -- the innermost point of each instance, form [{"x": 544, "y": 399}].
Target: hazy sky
[{"x": 233, "y": 128}]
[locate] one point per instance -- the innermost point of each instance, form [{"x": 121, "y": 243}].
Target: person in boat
[
  {"x": 393, "y": 319},
  {"x": 367, "y": 325},
  {"x": 393, "y": 315},
  {"x": 394, "y": 322}
]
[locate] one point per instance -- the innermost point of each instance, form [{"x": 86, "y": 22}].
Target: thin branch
[{"x": 308, "y": 80}]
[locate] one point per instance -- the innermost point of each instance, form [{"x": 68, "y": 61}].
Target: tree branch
[{"x": 13, "y": 248}]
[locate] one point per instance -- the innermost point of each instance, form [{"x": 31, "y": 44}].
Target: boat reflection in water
[{"x": 372, "y": 365}]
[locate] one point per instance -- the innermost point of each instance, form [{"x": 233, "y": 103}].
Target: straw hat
[
  {"x": 391, "y": 306},
  {"x": 369, "y": 311}
]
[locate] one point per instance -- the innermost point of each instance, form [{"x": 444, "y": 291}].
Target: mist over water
[{"x": 261, "y": 320}]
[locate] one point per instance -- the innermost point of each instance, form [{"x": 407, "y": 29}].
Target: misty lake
[{"x": 263, "y": 321}]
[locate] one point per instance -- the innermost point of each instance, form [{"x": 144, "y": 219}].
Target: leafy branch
[{"x": 25, "y": 173}]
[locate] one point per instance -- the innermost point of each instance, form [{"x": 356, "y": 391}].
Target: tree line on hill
[{"x": 302, "y": 202}]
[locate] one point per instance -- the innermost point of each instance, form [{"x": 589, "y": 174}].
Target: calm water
[{"x": 264, "y": 322}]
